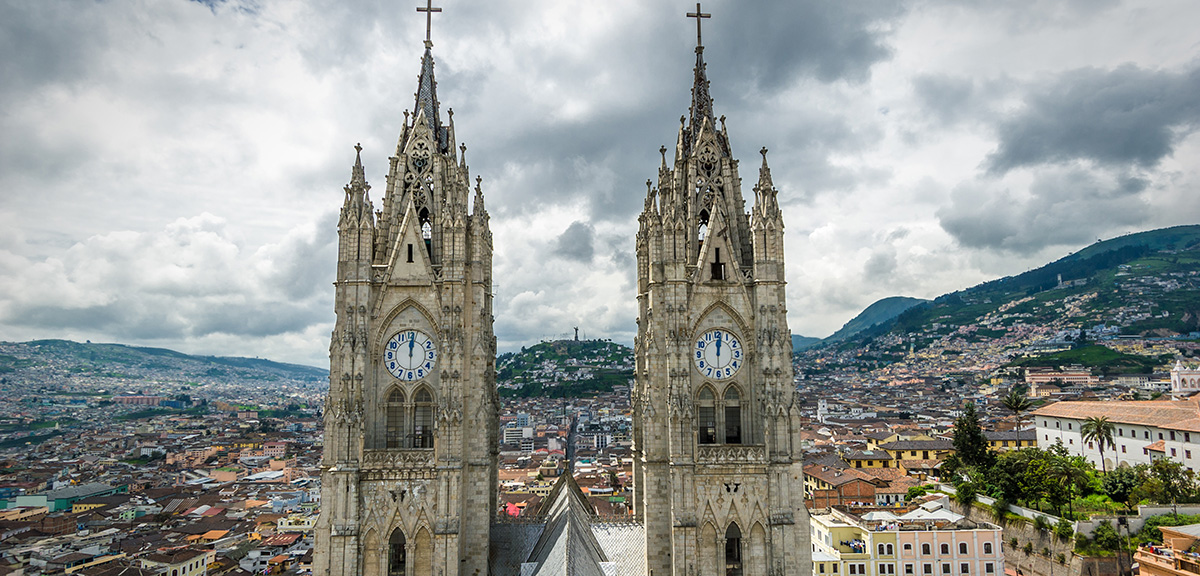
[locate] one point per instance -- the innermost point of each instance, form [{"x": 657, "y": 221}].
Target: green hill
[
  {"x": 803, "y": 342},
  {"x": 564, "y": 369},
  {"x": 47, "y": 360},
  {"x": 880, "y": 312},
  {"x": 1146, "y": 284}
]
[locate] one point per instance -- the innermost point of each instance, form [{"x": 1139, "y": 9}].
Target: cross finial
[
  {"x": 428, "y": 9},
  {"x": 763, "y": 152},
  {"x": 698, "y": 15}
]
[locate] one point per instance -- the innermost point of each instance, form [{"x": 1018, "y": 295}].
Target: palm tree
[
  {"x": 1017, "y": 403},
  {"x": 1099, "y": 430}
]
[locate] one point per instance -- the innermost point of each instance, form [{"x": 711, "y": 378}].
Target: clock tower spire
[{"x": 411, "y": 421}]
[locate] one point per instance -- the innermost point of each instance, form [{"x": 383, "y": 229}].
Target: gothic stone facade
[
  {"x": 409, "y": 469},
  {"x": 717, "y": 457}
]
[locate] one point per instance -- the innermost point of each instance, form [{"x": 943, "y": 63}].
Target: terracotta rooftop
[{"x": 1162, "y": 413}]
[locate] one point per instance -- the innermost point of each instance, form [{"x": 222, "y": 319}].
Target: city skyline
[{"x": 173, "y": 170}]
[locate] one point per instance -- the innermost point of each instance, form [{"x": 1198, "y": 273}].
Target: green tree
[
  {"x": 1122, "y": 483},
  {"x": 965, "y": 494},
  {"x": 969, "y": 442},
  {"x": 1016, "y": 402},
  {"x": 1105, "y": 536},
  {"x": 1098, "y": 429},
  {"x": 1176, "y": 481}
]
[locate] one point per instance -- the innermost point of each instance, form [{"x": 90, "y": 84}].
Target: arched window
[
  {"x": 426, "y": 230},
  {"x": 733, "y": 551},
  {"x": 397, "y": 554},
  {"x": 423, "y": 419},
  {"x": 925, "y": 549},
  {"x": 702, "y": 225},
  {"x": 890, "y": 550},
  {"x": 945, "y": 548},
  {"x": 733, "y": 416},
  {"x": 987, "y": 547},
  {"x": 395, "y": 420},
  {"x": 706, "y": 405},
  {"x": 962, "y": 547}
]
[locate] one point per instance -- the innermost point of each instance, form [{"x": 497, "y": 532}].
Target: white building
[
  {"x": 1143, "y": 430},
  {"x": 1185, "y": 381}
]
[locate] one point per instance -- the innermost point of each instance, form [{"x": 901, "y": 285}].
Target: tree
[
  {"x": 1017, "y": 402},
  {"x": 969, "y": 442},
  {"x": 1176, "y": 481},
  {"x": 1099, "y": 430},
  {"x": 1122, "y": 482},
  {"x": 965, "y": 495}
]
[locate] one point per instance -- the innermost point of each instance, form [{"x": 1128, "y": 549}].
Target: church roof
[
  {"x": 567, "y": 546},
  {"x": 427, "y": 101}
]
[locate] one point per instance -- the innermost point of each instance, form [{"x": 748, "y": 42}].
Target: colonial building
[
  {"x": 1143, "y": 430},
  {"x": 717, "y": 453},
  {"x": 409, "y": 469}
]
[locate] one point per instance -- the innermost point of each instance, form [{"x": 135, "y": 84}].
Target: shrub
[
  {"x": 1012, "y": 543},
  {"x": 1064, "y": 530},
  {"x": 1028, "y": 549},
  {"x": 1041, "y": 523},
  {"x": 1105, "y": 536},
  {"x": 1062, "y": 558}
]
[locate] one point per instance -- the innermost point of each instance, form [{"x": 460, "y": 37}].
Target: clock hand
[
  {"x": 718, "y": 349},
  {"x": 411, "y": 344}
]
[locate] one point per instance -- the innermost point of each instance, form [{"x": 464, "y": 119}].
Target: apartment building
[
  {"x": 1174, "y": 557},
  {"x": 929, "y": 541}
]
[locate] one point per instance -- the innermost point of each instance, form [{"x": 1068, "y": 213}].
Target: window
[
  {"x": 1172, "y": 451},
  {"x": 708, "y": 416},
  {"x": 881, "y": 549},
  {"x": 397, "y": 553},
  {"x": 733, "y": 416},
  {"x": 989, "y": 568},
  {"x": 890, "y": 551},
  {"x": 908, "y": 547},
  {"x": 1090, "y": 446},
  {"x": 964, "y": 568},
  {"x": 821, "y": 568},
  {"x": 395, "y": 420},
  {"x": 1070, "y": 426},
  {"x": 1187, "y": 436},
  {"x": 1187, "y": 453},
  {"x": 718, "y": 267},
  {"x": 853, "y": 569},
  {"x": 1120, "y": 431},
  {"x": 1172, "y": 433},
  {"x": 423, "y": 411},
  {"x": 962, "y": 547},
  {"x": 1071, "y": 442},
  {"x": 925, "y": 549},
  {"x": 945, "y": 567},
  {"x": 1122, "y": 448},
  {"x": 1146, "y": 434},
  {"x": 945, "y": 549},
  {"x": 927, "y": 569},
  {"x": 1160, "y": 437},
  {"x": 733, "y": 551},
  {"x": 410, "y": 253},
  {"x": 908, "y": 569},
  {"x": 987, "y": 547},
  {"x": 887, "y": 568},
  {"x": 835, "y": 567},
  {"x": 1057, "y": 424}
]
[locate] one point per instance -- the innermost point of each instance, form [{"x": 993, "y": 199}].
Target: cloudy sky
[{"x": 171, "y": 170}]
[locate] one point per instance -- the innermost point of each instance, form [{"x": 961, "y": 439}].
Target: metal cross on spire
[
  {"x": 428, "y": 9},
  {"x": 698, "y": 15}
]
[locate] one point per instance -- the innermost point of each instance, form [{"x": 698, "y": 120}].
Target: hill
[
  {"x": 52, "y": 362},
  {"x": 880, "y": 312},
  {"x": 1143, "y": 284},
  {"x": 564, "y": 369},
  {"x": 803, "y": 342}
]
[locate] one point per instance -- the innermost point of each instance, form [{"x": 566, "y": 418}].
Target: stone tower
[
  {"x": 409, "y": 469},
  {"x": 717, "y": 456}
]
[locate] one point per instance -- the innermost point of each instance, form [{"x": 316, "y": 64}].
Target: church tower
[
  {"x": 717, "y": 456},
  {"x": 409, "y": 468}
]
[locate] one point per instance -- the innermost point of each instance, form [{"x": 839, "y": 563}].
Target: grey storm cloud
[
  {"x": 1125, "y": 116},
  {"x": 577, "y": 242},
  {"x": 947, "y": 98},
  {"x": 1064, "y": 207}
]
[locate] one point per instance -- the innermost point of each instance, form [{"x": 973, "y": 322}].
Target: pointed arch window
[
  {"x": 423, "y": 409},
  {"x": 701, "y": 229},
  {"x": 395, "y": 419},
  {"x": 706, "y": 408},
  {"x": 397, "y": 554},
  {"x": 426, "y": 230},
  {"x": 733, "y": 416},
  {"x": 733, "y": 551}
]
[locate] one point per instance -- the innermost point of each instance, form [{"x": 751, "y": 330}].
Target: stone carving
[
  {"x": 731, "y": 455},
  {"x": 397, "y": 458}
]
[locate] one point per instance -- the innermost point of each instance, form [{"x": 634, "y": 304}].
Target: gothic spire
[{"x": 427, "y": 96}]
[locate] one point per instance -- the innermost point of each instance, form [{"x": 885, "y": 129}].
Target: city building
[
  {"x": 1176, "y": 556},
  {"x": 1143, "y": 430}
]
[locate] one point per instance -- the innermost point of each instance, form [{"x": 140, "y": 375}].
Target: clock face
[
  {"x": 718, "y": 354},
  {"x": 410, "y": 355}
]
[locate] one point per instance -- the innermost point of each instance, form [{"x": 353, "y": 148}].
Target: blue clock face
[
  {"x": 410, "y": 355},
  {"x": 718, "y": 354}
]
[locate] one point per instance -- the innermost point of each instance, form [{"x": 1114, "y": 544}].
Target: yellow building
[
  {"x": 1011, "y": 439},
  {"x": 868, "y": 459}
]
